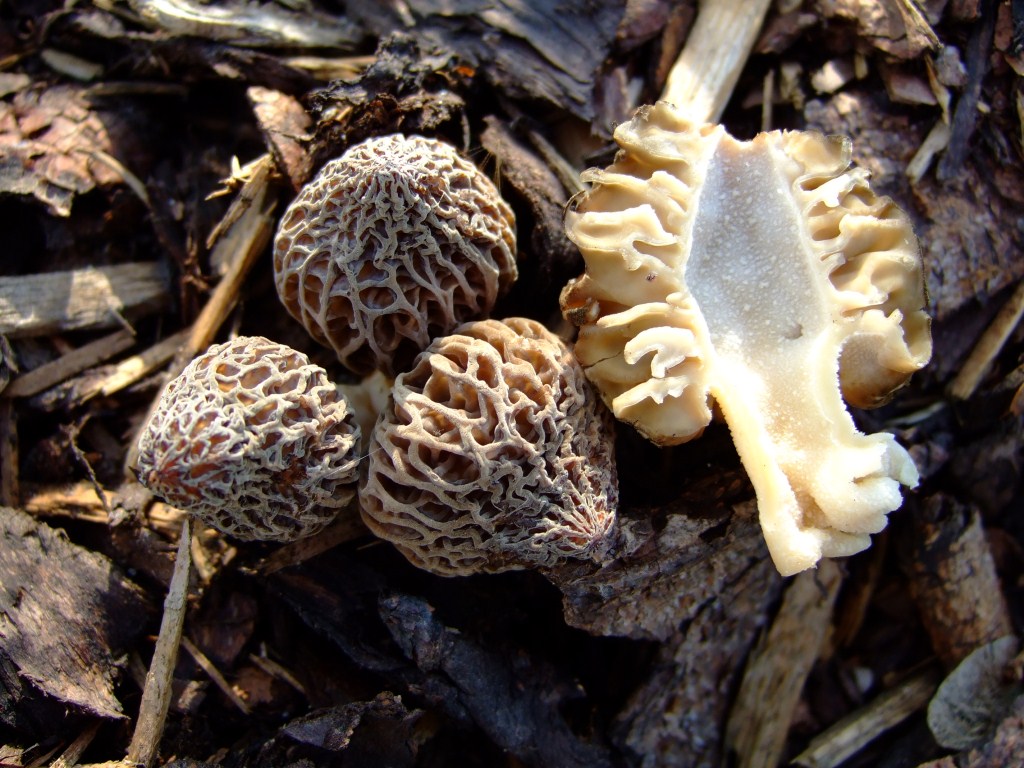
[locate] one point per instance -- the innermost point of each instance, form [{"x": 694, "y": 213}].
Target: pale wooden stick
[
  {"x": 989, "y": 346},
  {"x": 97, "y": 297},
  {"x": 134, "y": 368},
  {"x": 64, "y": 367},
  {"x": 69, "y": 757},
  {"x": 702, "y": 80},
  {"x": 156, "y": 697},
  {"x": 778, "y": 668},
  {"x": 841, "y": 741}
]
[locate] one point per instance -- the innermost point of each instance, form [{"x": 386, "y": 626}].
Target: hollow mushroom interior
[{"x": 765, "y": 276}]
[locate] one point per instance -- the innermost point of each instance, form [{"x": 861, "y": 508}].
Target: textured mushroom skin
[
  {"x": 391, "y": 245},
  {"x": 493, "y": 454},
  {"x": 254, "y": 440},
  {"x": 767, "y": 276}
]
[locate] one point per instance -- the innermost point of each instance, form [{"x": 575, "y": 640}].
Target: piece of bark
[
  {"x": 249, "y": 24},
  {"x": 77, "y": 360},
  {"x": 286, "y": 129},
  {"x": 51, "y": 140},
  {"x": 953, "y": 579},
  {"x": 1005, "y": 749},
  {"x": 885, "y": 24},
  {"x": 676, "y": 718},
  {"x": 99, "y": 297},
  {"x": 66, "y": 612},
  {"x": 518, "y": 705},
  {"x": 976, "y": 696},
  {"x": 333, "y": 729},
  {"x": 844, "y": 739},
  {"x": 778, "y": 667},
  {"x": 669, "y": 576},
  {"x": 528, "y": 50}
]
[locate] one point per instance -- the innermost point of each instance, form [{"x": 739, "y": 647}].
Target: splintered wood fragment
[
  {"x": 74, "y": 362},
  {"x": 239, "y": 248},
  {"x": 953, "y": 580},
  {"x": 778, "y": 668},
  {"x": 255, "y": 226},
  {"x": 989, "y": 346},
  {"x": 69, "y": 757},
  {"x": 214, "y": 674},
  {"x": 109, "y": 380},
  {"x": 936, "y": 141},
  {"x": 97, "y": 297},
  {"x": 848, "y": 736},
  {"x": 156, "y": 697},
  {"x": 347, "y": 527},
  {"x": 9, "y": 491},
  {"x": 704, "y": 76}
]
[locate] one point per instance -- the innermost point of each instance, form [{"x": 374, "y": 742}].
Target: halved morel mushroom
[
  {"x": 767, "y": 276},
  {"x": 492, "y": 454},
  {"x": 254, "y": 440},
  {"x": 391, "y": 245}
]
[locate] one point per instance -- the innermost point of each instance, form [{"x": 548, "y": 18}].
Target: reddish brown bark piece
[
  {"x": 52, "y": 145},
  {"x": 64, "y": 614},
  {"x": 285, "y": 126},
  {"x": 677, "y": 716},
  {"x": 953, "y": 580}
]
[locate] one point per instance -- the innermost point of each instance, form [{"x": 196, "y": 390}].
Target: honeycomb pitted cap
[
  {"x": 493, "y": 454},
  {"x": 390, "y": 246},
  {"x": 254, "y": 440}
]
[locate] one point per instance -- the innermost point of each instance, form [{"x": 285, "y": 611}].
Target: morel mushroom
[
  {"x": 767, "y": 276},
  {"x": 254, "y": 440},
  {"x": 493, "y": 454},
  {"x": 391, "y": 245}
]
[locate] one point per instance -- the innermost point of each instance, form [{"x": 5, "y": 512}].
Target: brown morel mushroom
[
  {"x": 492, "y": 454},
  {"x": 254, "y": 440},
  {"x": 767, "y": 276},
  {"x": 391, "y": 245}
]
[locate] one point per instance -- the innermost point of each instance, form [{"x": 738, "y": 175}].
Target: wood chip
[
  {"x": 45, "y": 376},
  {"x": 99, "y": 297},
  {"x": 64, "y": 614},
  {"x": 778, "y": 667},
  {"x": 989, "y": 346},
  {"x": 841, "y": 741},
  {"x": 704, "y": 76},
  {"x": 953, "y": 580}
]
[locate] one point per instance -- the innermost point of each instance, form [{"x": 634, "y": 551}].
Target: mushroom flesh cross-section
[{"x": 767, "y": 277}]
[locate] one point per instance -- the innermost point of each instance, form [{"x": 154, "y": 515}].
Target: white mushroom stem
[{"x": 702, "y": 80}]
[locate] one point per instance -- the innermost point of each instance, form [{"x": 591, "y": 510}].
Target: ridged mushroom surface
[
  {"x": 391, "y": 245},
  {"x": 768, "y": 277},
  {"x": 493, "y": 454},
  {"x": 254, "y": 440}
]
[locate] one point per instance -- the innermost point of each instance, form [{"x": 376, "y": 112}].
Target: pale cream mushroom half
[{"x": 767, "y": 277}]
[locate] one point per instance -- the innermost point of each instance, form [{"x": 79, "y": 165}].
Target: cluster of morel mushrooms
[{"x": 761, "y": 278}]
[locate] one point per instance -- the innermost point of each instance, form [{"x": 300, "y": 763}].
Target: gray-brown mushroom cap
[
  {"x": 493, "y": 454},
  {"x": 390, "y": 246},
  {"x": 254, "y": 440}
]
